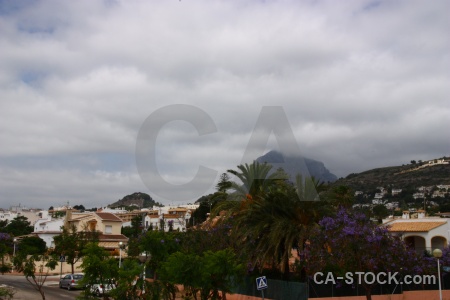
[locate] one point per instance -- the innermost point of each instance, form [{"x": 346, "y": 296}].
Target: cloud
[{"x": 363, "y": 84}]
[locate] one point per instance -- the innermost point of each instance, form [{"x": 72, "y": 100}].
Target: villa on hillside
[
  {"x": 421, "y": 232},
  {"x": 107, "y": 225}
]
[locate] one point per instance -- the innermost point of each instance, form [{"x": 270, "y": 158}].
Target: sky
[{"x": 101, "y": 99}]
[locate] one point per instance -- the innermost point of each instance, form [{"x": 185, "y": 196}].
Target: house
[
  {"x": 47, "y": 228},
  {"x": 421, "y": 232},
  {"x": 396, "y": 192},
  {"x": 107, "y": 225},
  {"x": 418, "y": 195},
  {"x": 168, "y": 217}
]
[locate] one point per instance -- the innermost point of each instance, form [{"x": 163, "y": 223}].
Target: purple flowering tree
[{"x": 352, "y": 243}]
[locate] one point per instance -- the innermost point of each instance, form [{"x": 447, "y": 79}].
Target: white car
[{"x": 99, "y": 289}]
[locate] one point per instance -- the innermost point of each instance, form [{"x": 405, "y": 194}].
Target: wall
[{"x": 407, "y": 295}]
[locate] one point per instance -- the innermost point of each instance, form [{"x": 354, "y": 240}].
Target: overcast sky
[{"x": 363, "y": 84}]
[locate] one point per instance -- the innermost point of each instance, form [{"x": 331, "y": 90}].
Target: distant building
[
  {"x": 418, "y": 195},
  {"x": 396, "y": 192}
]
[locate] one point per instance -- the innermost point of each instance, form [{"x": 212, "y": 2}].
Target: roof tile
[{"x": 414, "y": 226}]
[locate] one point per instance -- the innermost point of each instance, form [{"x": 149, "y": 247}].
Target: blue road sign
[{"x": 261, "y": 283}]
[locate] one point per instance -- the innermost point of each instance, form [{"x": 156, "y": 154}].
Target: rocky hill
[
  {"x": 294, "y": 165},
  {"x": 141, "y": 200}
]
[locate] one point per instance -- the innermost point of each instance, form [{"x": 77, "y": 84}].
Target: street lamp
[
  {"x": 438, "y": 254},
  {"x": 187, "y": 216},
  {"x": 120, "y": 254},
  {"x": 14, "y": 251}
]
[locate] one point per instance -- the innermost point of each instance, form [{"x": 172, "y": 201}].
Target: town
[{"x": 127, "y": 233}]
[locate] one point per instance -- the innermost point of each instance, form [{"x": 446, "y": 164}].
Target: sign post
[
  {"x": 261, "y": 285},
  {"x": 62, "y": 259}
]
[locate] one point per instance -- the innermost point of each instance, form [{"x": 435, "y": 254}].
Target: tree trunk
[
  {"x": 286, "y": 268},
  {"x": 42, "y": 293},
  {"x": 369, "y": 294}
]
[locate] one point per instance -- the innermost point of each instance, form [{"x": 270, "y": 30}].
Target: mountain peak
[{"x": 297, "y": 164}]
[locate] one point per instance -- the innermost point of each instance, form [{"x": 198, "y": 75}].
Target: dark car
[{"x": 70, "y": 281}]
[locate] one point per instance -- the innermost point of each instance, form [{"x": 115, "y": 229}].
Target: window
[{"x": 108, "y": 229}]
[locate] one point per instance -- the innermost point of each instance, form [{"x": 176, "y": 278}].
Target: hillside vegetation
[{"x": 407, "y": 176}]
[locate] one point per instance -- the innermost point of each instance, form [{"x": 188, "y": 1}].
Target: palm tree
[
  {"x": 255, "y": 180},
  {"x": 281, "y": 222},
  {"x": 271, "y": 216}
]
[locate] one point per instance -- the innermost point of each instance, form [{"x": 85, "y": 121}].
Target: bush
[{"x": 6, "y": 292}]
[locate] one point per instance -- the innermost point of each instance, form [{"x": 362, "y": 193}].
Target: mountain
[
  {"x": 428, "y": 173},
  {"x": 294, "y": 165},
  {"x": 142, "y": 200}
]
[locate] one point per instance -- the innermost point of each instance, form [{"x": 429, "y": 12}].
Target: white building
[
  {"x": 168, "y": 217},
  {"x": 396, "y": 192},
  {"x": 8, "y": 216},
  {"x": 423, "y": 233},
  {"x": 47, "y": 228}
]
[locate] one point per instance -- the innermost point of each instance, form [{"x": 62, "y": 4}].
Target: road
[{"x": 26, "y": 291}]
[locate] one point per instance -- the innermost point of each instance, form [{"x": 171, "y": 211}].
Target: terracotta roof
[
  {"x": 414, "y": 226},
  {"x": 112, "y": 237},
  {"x": 108, "y": 217}
]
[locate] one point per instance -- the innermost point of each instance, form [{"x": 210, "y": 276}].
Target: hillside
[
  {"x": 294, "y": 165},
  {"x": 406, "y": 176},
  {"x": 141, "y": 200}
]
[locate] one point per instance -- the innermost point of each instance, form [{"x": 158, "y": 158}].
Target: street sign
[
  {"x": 62, "y": 258},
  {"x": 261, "y": 283}
]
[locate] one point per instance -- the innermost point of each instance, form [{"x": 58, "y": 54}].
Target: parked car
[
  {"x": 99, "y": 289},
  {"x": 71, "y": 281}
]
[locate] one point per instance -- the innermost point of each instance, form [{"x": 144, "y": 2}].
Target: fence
[{"x": 276, "y": 289}]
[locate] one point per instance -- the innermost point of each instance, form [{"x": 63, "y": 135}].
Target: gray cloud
[{"x": 363, "y": 83}]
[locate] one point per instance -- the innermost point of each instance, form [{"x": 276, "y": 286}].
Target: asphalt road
[{"x": 26, "y": 291}]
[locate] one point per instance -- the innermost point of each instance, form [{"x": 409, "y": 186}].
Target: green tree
[
  {"x": 19, "y": 226},
  {"x": 98, "y": 267},
  {"x": 5, "y": 246},
  {"x": 3, "y": 224},
  {"x": 159, "y": 245},
  {"x": 133, "y": 232},
  {"x": 211, "y": 274},
  {"x": 71, "y": 244},
  {"x": 127, "y": 285},
  {"x": 340, "y": 196},
  {"x": 32, "y": 245},
  {"x": 79, "y": 207},
  {"x": 35, "y": 268},
  {"x": 380, "y": 211}
]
